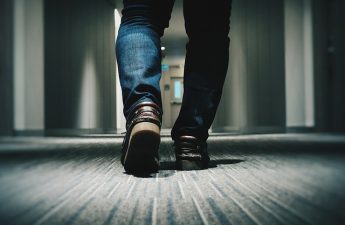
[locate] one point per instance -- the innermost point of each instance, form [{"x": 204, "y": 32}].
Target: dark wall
[
  {"x": 79, "y": 65},
  {"x": 254, "y": 91},
  {"x": 6, "y": 67},
  {"x": 337, "y": 60},
  {"x": 329, "y": 59},
  {"x": 266, "y": 63}
]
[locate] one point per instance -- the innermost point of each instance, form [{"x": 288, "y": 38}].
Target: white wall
[
  {"x": 120, "y": 118},
  {"x": 28, "y": 65},
  {"x": 299, "y": 63}
]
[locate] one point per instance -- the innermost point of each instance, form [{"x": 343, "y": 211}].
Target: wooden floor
[{"x": 255, "y": 179}]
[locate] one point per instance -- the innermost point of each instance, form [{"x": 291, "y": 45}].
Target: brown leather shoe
[
  {"x": 141, "y": 143},
  {"x": 191, "y": 153}
]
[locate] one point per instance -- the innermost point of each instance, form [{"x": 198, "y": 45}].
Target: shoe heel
[
  {"x": 142, "y": 154},
  {"x": 146, "y": 127},
  {"x": 186, "y": 165}
]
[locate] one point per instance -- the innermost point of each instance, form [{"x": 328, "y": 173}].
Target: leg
[
  {"x": 139, "y": 59},
  {"x": 138, "y": 50},
  {"x": 207, "y": 26}
]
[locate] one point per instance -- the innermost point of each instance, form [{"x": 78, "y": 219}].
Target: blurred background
[
  {"x": 58, "y": 70},
  {"x": 276, "y": 145}
]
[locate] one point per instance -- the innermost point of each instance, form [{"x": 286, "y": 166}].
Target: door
[
  {"x": 176, "y": 94},
  {"x": 172, "y": 93}
]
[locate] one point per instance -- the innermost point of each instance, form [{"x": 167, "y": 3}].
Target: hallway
[
  {"x": 62, "y": 122},
  {"x": 253, "y": 179}
]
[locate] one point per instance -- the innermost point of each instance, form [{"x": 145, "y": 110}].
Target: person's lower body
[{"x": 139, "y": 59}]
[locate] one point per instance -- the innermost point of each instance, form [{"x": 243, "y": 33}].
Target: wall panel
[
  {"x": 80, "y": 65},
  {"x": 254, "y": 91},
  {"x": 6, "y": 67}
]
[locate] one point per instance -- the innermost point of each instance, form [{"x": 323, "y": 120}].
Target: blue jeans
[{"x": 138, "y": 54}]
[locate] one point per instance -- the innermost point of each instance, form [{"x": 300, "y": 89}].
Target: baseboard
[
  {"x": 219, "y": 131},
  {"x": 300, "y": 129},
  {"x": 249, "y": 130},
  {"x": 28, "y": 133},
  {"x": 82, "y": 132}
]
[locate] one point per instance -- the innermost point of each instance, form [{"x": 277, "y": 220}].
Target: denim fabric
[{"x": 139, "y": 58}]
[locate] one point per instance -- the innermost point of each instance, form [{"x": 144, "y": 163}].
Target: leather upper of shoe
[
  {"x": 190, "y": 148},
  {"x": 143, "y": 112}
]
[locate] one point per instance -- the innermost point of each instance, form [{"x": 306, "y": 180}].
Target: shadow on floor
[
  {"x": 169, "y": 165},
  {"x": 167, "y": 168}
]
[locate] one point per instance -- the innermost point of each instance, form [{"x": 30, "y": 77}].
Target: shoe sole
[
  {"x": 142, "y": 152},
  {"x": 186, "y": 165}
]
